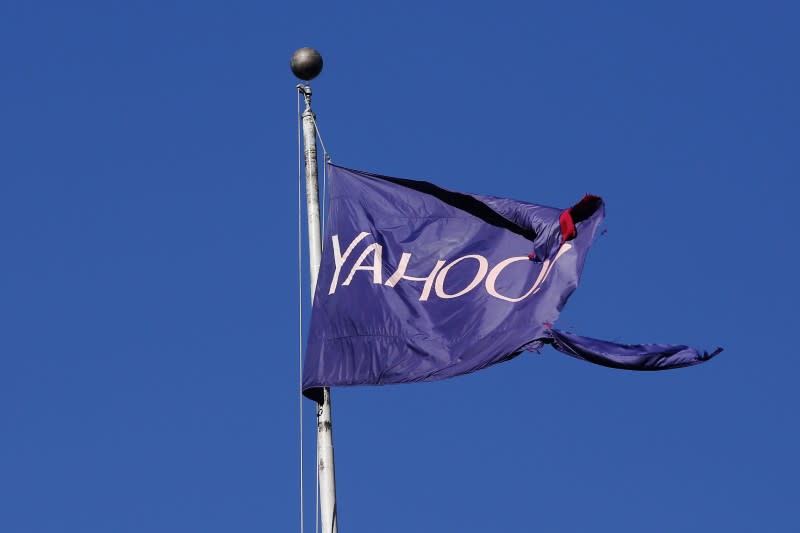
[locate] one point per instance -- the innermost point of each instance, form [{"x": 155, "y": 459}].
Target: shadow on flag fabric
[{"x": 418, "y": 283}]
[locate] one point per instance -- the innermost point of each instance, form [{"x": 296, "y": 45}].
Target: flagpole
[{"x": 306, "y": 64}]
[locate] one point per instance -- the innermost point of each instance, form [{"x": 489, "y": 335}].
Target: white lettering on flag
[
  {"x": 377, "y": 264},
  {"x": 491, "y": 279},
  {"x": 483, "y": 267},
  {"x": 436, "y": 278},
  {"x": 400, "y": 273},
  {"x": 339, "y": 258}
]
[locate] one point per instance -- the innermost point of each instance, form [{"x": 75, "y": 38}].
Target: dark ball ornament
[{"x": 306, "y": 63}]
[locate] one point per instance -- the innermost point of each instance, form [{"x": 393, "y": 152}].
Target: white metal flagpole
[{"x": 307, "y": 64}]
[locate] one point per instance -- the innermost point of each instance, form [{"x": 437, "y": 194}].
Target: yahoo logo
[{"x": 434, "y": 281}]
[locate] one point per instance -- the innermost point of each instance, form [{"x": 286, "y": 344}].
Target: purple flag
[{"x": 418, "y": 283}]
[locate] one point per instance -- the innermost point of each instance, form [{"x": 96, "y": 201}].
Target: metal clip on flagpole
[{"x": 306, "y": 64}]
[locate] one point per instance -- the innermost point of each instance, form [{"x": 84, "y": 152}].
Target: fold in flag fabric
[{"x": 419, "y": 283}]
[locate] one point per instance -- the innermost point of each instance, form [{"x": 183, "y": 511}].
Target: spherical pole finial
[{"x": 306, "y": 63}]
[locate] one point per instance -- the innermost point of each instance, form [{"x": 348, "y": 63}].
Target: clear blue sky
[{"x": 148, "y": 296}]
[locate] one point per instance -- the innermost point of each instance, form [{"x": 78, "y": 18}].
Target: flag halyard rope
[{"x": 300, "y": 298}]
